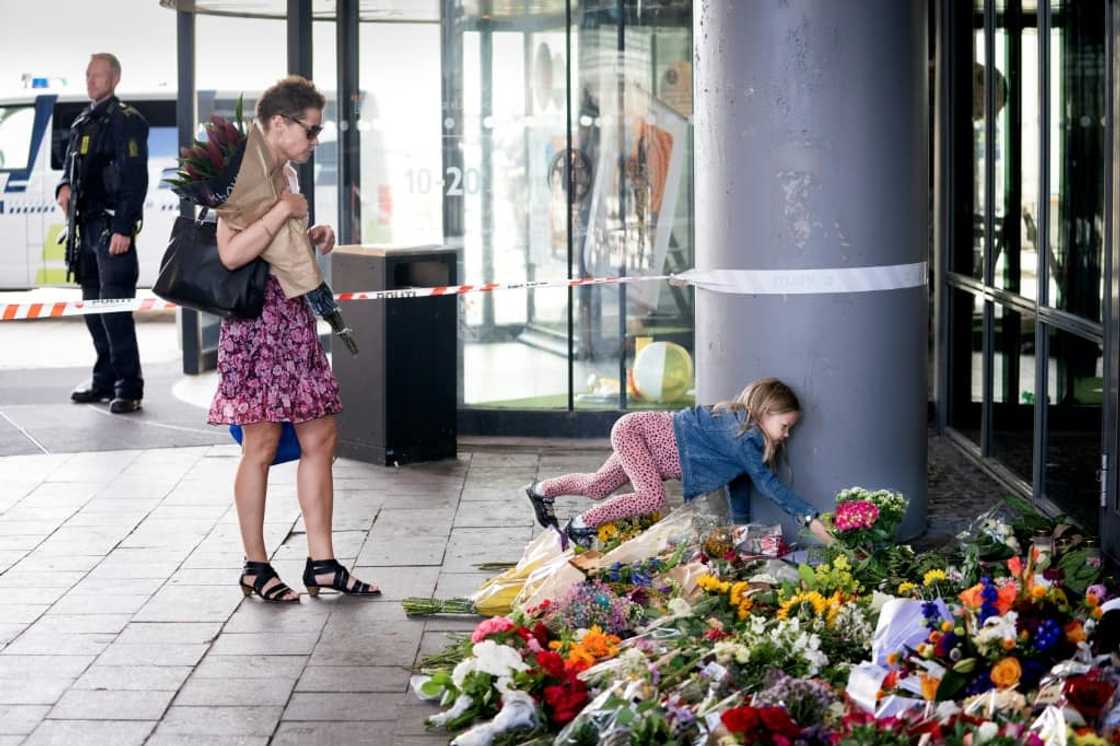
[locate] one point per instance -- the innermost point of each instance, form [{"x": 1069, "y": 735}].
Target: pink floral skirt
[{"x": 272, "y": 368}]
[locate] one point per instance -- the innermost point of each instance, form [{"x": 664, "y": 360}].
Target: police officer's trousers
[{"x": 103, "y": 275}]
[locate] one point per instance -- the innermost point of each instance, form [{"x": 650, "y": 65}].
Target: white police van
[{"x": 34, "y": 128}]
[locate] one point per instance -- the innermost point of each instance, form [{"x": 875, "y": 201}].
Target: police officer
[{"x": 109, "y": 146}]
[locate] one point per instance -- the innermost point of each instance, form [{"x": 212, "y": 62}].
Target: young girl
[{"x": 704, "y": 447}]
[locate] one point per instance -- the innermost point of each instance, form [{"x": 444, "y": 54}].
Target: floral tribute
[{"x": 682, "y": 636}]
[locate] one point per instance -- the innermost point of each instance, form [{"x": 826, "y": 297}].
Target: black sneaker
[
  {"x": 543, "y": 507},
  {"x": 580, "y": 536}
]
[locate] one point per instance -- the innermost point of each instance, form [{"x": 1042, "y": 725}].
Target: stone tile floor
[{"x": 121, "y": 621}]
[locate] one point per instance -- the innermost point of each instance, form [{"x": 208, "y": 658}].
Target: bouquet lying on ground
[
  {"x": 867, "y": 518},
  {"x": 233, "y": 172}
]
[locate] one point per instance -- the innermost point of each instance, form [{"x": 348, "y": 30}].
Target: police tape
[
  {"x": 61, "y": 309},
  {"x": 837, "y": 280}
]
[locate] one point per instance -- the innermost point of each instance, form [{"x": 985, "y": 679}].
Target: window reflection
[
  {"x": 1077, "y": 157},
  {"x": 1017, "y": 184},
  {"x": 1014, "y": 391},
  {"x": 966, "y": 387},
  {"x": 1073, "y": 424}
]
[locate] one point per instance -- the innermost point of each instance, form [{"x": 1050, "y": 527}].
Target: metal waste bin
[{"x": 399, "y": 393}]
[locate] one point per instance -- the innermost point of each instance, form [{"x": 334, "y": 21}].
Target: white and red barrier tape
[
  {"x": 59, "y": 309},
  {"x": 735, "y": 281}
]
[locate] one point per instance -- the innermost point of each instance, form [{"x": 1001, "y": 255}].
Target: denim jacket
[{"x": 714, "y": 451}]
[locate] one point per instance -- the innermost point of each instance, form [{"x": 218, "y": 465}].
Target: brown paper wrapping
[{"x": 260, "y": 182}]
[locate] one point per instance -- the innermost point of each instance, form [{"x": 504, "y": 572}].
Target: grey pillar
[{"x": 812, "y": 153}]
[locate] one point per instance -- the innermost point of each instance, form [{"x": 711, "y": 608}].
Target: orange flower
[
  {"x": 1008, "y": 643},
  {"x": 1091, "y": 600},
  {"x": 1005, "y": 597},
  {"x": 971, "y": 597},
  {"x": 1015, "y": 565},
  {"x": 1038, "y": 592},
  {"x": 1006, "y": 673},
  {"x": 929, "y": 686},
  {"x": 1075, "y": 632}
]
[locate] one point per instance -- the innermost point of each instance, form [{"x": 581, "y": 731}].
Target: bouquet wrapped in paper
[{"x": 235, "y": 174}]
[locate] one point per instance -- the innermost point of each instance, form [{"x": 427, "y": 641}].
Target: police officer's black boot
[
  {"x": 124, "y": 406},
  {"x": 87, "y": 394}
]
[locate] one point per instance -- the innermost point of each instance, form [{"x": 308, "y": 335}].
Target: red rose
[
  {"x": 740, "y": 719},
  {"x": 777, "y": 720},
  {"x": 541, "y": 633},
  {"x": 565, "y": 700},
  {"x": 551, "y": 663}
]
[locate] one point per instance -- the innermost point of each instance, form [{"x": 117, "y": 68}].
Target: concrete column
[{"x": 812, "y": 153}]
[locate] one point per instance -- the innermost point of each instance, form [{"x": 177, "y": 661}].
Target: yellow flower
[
  {"x": 796, "y": 602},
  {"x": 745, "y": 607},
  {"x": 1088, "y": 739},
  {"x": 840, "y": 563},
  {"x": 906, "y": 587},
  {"x": 934, "y": 576},
  {"x": 1006, "y": 673},
  {"x": 708, "y": 582},
  {"x": 737, "y": 590},
  {"x": 607, "y": 532}
]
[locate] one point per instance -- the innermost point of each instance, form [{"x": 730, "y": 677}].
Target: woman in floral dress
[{"x": 273, "y": 370}]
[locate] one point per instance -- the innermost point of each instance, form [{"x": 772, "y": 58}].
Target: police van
[{"x": 34, "y": 130}]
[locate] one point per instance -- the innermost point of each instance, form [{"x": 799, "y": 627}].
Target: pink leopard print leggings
[{"x": 645, "y": 454}]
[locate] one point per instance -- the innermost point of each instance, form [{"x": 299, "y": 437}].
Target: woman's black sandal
[
  {"x": 262, "y": 572},
  {"x": 340, "y": 582}
]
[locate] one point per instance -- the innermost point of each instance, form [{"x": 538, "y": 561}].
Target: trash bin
[{"x": 399, "y": 393}]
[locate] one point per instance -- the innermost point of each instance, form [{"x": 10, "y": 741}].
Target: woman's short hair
[{"x": 289, "y": 97}]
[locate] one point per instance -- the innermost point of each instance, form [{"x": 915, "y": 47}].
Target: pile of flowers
[{"x": 686, "y": 639}]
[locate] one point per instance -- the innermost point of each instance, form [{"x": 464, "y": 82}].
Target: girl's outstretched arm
[{"x": 768, "y": 483}]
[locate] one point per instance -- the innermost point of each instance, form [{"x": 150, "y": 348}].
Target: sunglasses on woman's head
[{"x": 311, "y": 130}]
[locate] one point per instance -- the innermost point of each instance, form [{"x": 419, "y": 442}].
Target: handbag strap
[{"x": 203, "y": 213}]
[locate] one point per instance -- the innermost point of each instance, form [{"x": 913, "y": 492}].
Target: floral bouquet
[
  {"x": 208, "y": 169},
  {"x": 867, "y": 519}
]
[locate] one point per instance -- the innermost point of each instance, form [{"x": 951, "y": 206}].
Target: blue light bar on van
[{"x": 40, "y": 83}]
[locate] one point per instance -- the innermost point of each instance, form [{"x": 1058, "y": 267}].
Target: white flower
[
  {"x": 986, "y": 732},
  {"x": 726, "y": 651},
  {"x": 995, "y": 630},
  {"x": 679, "y": 607},
  {"x": 489, "y": 657}
]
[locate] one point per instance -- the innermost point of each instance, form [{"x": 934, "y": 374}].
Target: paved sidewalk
[{"x": 121, "y": 621}]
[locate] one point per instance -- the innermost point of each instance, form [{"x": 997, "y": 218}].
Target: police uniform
[{"x": 109, "y": 140}]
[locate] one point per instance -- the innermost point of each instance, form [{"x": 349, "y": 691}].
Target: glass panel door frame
[{"x": 958, "y": 24}]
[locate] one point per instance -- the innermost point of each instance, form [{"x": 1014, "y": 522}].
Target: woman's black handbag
[{"x": 192, "y": 275}]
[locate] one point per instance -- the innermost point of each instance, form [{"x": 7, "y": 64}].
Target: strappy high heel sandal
[
  {"x": 340, "y": 582},
  {"x": 262, "y": 572}
]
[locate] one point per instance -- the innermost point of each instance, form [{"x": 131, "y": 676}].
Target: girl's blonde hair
[{"x": 763, "y": 397}]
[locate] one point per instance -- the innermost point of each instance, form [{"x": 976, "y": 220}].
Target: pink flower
[
  {"x": 854, "y": 515},
  {"x": 493, "y": 626}
]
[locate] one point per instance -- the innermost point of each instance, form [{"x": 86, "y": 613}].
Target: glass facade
[
  {"x": 567, "y": 154},
  {"x": 1025, "y": 362}
]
